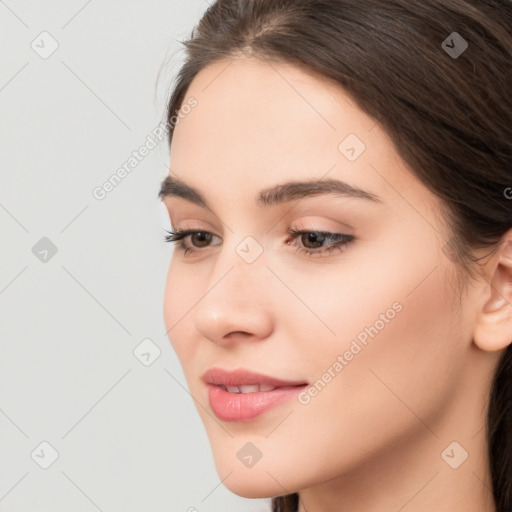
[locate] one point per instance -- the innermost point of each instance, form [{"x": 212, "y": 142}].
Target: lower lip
[{"x": 246, "y": 406}]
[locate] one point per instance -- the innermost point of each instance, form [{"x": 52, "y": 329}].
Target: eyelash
[{"x": 179, "y": 236}]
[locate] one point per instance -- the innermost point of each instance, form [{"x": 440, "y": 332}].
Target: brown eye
[
  {"x": 312, "y": 242},
  {"x": 184, "y": 237},
  {"x": 200, "y": 238},
  {"x": 314, "y": 238}
]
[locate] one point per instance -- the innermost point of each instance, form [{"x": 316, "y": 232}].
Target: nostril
[{"x": 242, "y": 334}]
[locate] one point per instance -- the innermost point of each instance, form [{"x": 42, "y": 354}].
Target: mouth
[
  {"x": 242, "y": 395},
  {"x": 240, "y": 406}
]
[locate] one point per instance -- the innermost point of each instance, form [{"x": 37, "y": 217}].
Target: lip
[
  {"x": 246, "y": 406},
  {"x": 243, "y": 377}
]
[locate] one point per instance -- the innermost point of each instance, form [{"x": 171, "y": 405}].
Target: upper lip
[{"x": 243, "y": 377}]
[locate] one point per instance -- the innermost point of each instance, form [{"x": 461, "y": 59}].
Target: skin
[{"x": 372, "y": 438}]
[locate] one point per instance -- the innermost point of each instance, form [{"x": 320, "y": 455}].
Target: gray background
[{"x": 128, "y": 436}]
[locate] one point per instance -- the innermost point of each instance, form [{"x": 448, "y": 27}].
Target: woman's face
[{"x": 373, "y": 327}]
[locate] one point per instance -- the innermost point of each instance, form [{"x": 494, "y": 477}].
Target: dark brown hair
[{"x": 449, "y": 115}]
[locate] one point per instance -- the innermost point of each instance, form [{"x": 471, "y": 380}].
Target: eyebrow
[{"x": 281, "y": 193}]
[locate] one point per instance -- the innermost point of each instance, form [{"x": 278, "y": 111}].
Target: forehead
[
  {"x": 258, "y": 123},
  {"x": 254, "y": 104}
]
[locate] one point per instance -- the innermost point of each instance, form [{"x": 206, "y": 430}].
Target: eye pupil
[
  {"x": 315, "y": 238},
  {"x": 202, "y": 237}
]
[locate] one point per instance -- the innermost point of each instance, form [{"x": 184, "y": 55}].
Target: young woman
[{"x": 340, "y": 296}]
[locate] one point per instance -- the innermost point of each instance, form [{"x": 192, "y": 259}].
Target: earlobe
[{"x": 493, "y": 330}]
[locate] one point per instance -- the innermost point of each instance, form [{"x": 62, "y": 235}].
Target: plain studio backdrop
[{"x": 94, "y": 409}]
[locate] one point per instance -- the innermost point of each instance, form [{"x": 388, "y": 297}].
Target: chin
[
  {"x": 266, "y": 478},
  {"x": 247, "y": 485}
]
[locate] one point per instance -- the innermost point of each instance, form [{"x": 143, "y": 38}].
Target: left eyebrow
[{"x": 277, "y": 194}]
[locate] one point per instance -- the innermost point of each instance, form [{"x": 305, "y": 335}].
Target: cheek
[
  {"x": 398, "y": 308},
  {"x": 395, "y": 329},
  {"x": 368, "y": 287},
  {"x": 179, "y": 298}
]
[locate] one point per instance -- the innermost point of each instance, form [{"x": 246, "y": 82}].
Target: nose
[{"x": 237, "y": 305}]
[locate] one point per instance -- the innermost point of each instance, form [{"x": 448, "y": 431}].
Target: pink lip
[
  {"x": 246, "y": 406},
  {"x": 241, "y": 377}
]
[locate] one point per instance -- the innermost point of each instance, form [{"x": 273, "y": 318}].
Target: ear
[{"x": 493, "y": 330}]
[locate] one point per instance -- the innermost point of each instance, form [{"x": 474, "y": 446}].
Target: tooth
[{"x": 249, "y": 388}]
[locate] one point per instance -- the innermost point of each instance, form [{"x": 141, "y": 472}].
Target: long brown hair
[{"x": 445, "y": 100}]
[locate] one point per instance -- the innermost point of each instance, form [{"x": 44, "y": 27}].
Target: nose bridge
[
  {"x": 236, "y": 298},
  {"x": 242, "y": 265}
]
